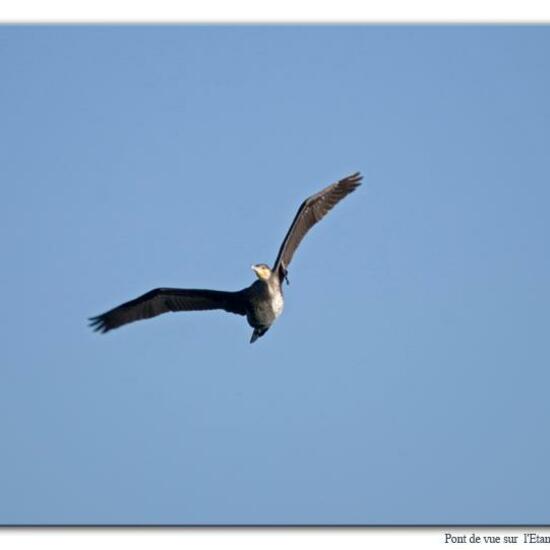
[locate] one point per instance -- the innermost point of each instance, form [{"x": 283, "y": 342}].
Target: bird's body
[
  {"x": 266, "y": 304},
  {"x": 262, "y": 302}
]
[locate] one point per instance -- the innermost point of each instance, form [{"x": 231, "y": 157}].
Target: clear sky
[{"x": 407, "y": 380}]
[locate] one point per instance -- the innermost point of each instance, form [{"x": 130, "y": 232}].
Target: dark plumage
[
  {"x": 261, "y": 302},
  {"x": 162, "y": 300}
]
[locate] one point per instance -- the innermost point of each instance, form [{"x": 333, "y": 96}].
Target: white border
[
  {"x": 274, "y": 11},
  {"x": 425, "y": 538}
]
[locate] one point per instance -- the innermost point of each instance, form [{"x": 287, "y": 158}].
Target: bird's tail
[{"x": 258, "y": 333}]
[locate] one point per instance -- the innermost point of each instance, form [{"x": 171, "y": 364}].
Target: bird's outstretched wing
[
  {"x": 310, "y": 212},
  {"x": 162, "y": 300}
]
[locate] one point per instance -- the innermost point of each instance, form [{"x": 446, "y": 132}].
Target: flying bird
[{"x": 261, "y": 302}]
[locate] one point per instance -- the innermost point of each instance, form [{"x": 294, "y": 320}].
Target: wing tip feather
[
  {"x": 354, "y": 180},
  {"x": 98, "y": 324}
]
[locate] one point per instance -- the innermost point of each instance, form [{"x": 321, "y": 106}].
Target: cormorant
[{"x": 262, "y": 301}]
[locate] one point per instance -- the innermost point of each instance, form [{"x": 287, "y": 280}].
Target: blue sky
[{"x": 407, "y": 380}]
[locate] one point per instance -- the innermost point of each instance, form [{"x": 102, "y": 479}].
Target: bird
[{"x": 262, "y": 302}]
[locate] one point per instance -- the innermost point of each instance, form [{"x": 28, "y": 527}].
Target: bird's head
[{"x": 262, "y": 271}]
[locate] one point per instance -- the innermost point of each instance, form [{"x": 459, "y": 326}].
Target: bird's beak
[{"x": 253, "y": 268}]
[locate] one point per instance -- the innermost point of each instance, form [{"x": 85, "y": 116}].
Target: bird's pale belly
[
  {"x": 267, "y": 305},
  {"x": 277, "y": 304}
]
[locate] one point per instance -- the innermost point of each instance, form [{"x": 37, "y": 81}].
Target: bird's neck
[{"x": 274, "y": 284}]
